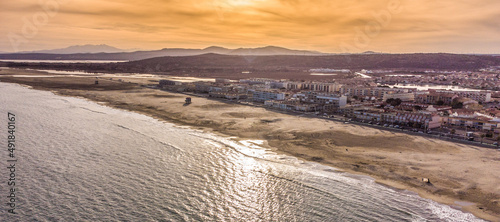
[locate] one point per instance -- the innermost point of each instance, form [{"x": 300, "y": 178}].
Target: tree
[
  {"x": 489, "y": 134},
  {"x": 397, "y": 102},
  {"x": 394, "y": 102},
  {"x": 417, "y": 107},
  {"x": 482, "y": 137},
  {"x": 455, "y": 104},
  {"x": 440, "y": 103}
]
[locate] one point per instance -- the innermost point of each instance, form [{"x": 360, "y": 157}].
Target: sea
[{"x": 78, "y": 160}]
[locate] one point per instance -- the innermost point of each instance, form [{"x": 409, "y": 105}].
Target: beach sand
[{"x": 458, "y": 173}]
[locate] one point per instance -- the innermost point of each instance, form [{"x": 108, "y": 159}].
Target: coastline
[{"x": 394, "y": 159}]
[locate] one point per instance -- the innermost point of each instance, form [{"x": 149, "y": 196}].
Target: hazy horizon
[{"x": 392, "y": 26}]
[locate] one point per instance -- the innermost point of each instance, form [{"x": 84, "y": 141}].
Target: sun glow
[
  {"x": 323, "y": 25},
  {"x": 237, "y": 3}
]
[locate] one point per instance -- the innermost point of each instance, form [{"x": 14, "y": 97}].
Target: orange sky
[{"x": 458, "y": 26}]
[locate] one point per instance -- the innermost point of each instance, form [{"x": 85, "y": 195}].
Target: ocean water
[{"x": 80, "y": 161}]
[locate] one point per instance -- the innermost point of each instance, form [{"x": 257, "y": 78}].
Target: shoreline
[{"x": 352, "y": 149}]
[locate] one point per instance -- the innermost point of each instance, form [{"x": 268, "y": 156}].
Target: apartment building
[
  {"x": 480, "y": 96},
  {"x": 377, "y": 92},
  {"x": 232, "y": 95},
  {"x": 405, "y": 97},
  {"x": 293, "y": 105},
  {"x": 321, "y": 87},
  {"x": 264, "y": 95},
  {"x": 435, "y": 97},
  {"x": 329, "y": 101}
]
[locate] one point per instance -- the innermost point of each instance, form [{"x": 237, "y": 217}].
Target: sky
[{"x": 335, "y": 26}]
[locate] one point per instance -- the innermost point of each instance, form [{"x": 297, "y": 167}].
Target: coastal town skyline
[{"x": 395, "y": 26}]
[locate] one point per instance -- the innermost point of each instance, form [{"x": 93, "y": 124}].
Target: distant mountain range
[
  {"x": 287, "y": 66},
  {"x": 105, "y": 52},
  {"x": 80, "y": 49}
]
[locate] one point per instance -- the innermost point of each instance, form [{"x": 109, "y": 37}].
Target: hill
[
  {"x": 283, "y": 66},
  {"x": 84, "y": 53},
  {"x": 81, "y": 49}
]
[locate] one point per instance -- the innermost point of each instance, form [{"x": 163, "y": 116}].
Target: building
[
  {"x": 279, "y": 85},
  {"x": 321, "y": 87},
  {"x": 163, "y": 83},
  {"x": 232, "y": 95},
  {"x": 480, "y": 96},
  {"x": 202, "y": 87},
  {"x": 412, "y": 119},
  {"x": 221, "y": 80},
  {"x": 435, "y": 98},
  {"x": 293, "y": 106},
  {"x": 427, "y": 121},
  {"x": 258, "y": 81},
  {"x": 405, "y": 97},
  {"x": 479, "y": 123},
  {"x": 377, "y": 92},
  {"x": 328, "y": 101},
  {"x": 294, "y": 85},
  {"x": 368, "y": 114},
  {"x": 264, "y": 95}
]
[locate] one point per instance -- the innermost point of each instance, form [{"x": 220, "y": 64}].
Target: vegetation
[
  {"x": 394, "y": 102},
  {"x": 455, "y": 104},
  {"x": 216, "y": 63}
]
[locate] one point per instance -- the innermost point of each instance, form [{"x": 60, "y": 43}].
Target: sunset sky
[{"x": 456, "y": 26}]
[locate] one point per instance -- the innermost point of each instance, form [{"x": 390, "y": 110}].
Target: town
[{"x": 435, "y": 103}]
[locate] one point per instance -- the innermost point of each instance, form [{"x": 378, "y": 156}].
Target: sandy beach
[{"x": 458, "y": 173}]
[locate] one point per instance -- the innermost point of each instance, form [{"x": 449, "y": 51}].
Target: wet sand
[{"x": 458, "y": 173}]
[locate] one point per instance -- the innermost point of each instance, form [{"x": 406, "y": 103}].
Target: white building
[{"x": 264, "y": 95}]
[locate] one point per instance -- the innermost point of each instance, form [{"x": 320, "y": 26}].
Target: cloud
[{"x": 321, "y": 24}]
